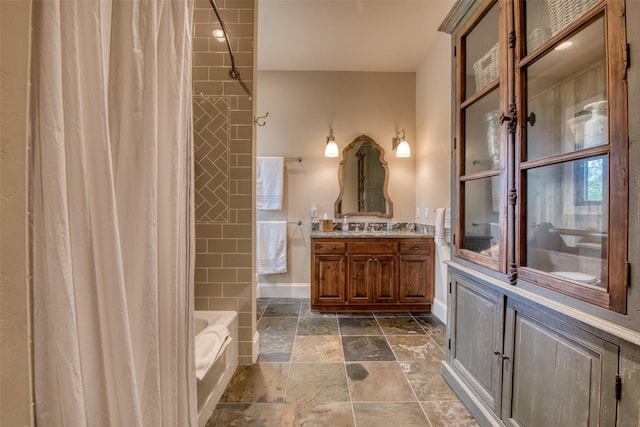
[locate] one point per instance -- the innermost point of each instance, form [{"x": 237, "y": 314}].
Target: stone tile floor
[{"x": 345, "y": 369}]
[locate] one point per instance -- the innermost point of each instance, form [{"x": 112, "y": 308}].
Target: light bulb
[
  {"x": 331, "y": 149},
  {"x": 403, "y": 149}
]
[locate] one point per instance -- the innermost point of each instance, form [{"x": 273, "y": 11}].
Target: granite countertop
[{"x": 371, "y": 234}]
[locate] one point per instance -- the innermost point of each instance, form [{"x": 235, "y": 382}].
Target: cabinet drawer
[
  {"x": 329, "y": 247},
  {"x": 418, "y": 248},
  {"x": 372, "y": 247}
]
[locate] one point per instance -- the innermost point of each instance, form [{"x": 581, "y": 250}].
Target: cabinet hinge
[
  {"x": 512, "y": 39},
  {"x": 511, "y": 117},
  {"x": 449, "y": 287},
  {"x": 512, "y": 274},
  {"x": 449, "y": 344},
  {"x": 455, "y": 143},
  {"x": 512, "y": 198},
  {"x": 453, "y": 239},
  {"x": 627, "y": 274},
  {"x": 618, "y": 387},
  {"x": 627, "y": 56},
  {"x": 455, "y": 51}
]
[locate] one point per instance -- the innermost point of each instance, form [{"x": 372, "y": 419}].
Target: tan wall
[
  {"x": 15, "y": 363},
  {"x": 433, "y": 155},
  {"x": 302, "y": 107},
  {"x": 224, "y": 183}
]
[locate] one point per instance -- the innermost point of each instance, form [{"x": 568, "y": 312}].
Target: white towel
[
  {"x": 271, "y": 243},
  {"x": 210, "y": 343},
  {"x": 269, "y": 183},
  {"x": 443, "y": 224}
]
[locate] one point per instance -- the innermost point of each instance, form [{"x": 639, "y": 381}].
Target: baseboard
[
  {"x": 283, "y": 290},
  {"x": 439, "y": 309},
  {"x": 482, "y": 414}
]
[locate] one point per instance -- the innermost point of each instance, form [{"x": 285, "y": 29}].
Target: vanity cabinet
[
  {"x": 329, "y": 272},
  {"x": 416, "y": 270},
  {"x": 371, "y": 273}
]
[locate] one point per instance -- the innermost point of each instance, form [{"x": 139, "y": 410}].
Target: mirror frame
[{"x": 383, "y": 163}]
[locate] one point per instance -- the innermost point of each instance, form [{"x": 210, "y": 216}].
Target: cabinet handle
[
  {"x": 415, "y": 248},
  {"x": 532, "y": 118},
  {"x": 502, "y": 356},
  {"x": 375, "y": 259},
  {"x": 332, "y": 248},
  {"x": 370, "y": 259},
  {"x": 402, "y": 259}
]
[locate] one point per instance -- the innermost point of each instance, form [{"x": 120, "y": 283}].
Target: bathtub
[{"x": 212, "y": 385}]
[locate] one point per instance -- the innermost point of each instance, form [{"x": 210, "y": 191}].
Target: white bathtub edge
[{"x": 229, "y": 319}]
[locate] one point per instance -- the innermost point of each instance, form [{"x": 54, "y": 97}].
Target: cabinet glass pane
[
  {"x": 482, "y": 53},
  {"x": 547, "y": 18},
  {"x": 481, "y": 206},
  {"x": 482, "y": 135},
  {"x": 567, "y": 93},
  {"x": 567, "y": 220}
]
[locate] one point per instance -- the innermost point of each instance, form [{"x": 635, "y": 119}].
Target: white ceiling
[{"x": 347, "y": 35}]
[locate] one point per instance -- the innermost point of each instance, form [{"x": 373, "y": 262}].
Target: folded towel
[
  {"x": 443, "y": 223},
  {"x": 269, "y": 183},
  {"x": 271, "y": 244},
  {"x": 210, "y": 343}
]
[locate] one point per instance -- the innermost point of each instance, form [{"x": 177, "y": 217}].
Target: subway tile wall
[{"x": 223, "y": 151}]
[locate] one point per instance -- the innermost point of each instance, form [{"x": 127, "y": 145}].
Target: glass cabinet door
[
  {"x": 567, "y": 80},
  {"x": 480, "y": 195}
]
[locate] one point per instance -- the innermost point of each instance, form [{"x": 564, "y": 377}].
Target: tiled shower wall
[{"x": 223, "y": 149}]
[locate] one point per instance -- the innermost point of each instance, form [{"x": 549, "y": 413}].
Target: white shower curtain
[{"x": 112, "y": 216}]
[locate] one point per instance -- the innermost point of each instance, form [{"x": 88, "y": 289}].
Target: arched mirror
[{"x": 363, "y": 175}]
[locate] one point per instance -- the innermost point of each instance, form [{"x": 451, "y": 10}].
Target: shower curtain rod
[{"x": 233, "y": 73}]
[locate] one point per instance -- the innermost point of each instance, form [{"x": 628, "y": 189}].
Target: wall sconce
[
  {"x": 331, "y": 149},
  {"x": 401, "y": 146}
]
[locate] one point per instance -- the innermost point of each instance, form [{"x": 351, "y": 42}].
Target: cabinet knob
[{"x": 496, "y": 352}]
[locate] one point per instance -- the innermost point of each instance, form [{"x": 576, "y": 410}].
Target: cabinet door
[
  {"x": 556, "y": 374},
  {"x": 360, "y": 274},
  {"x": 384, "y": 278},
  {"x": 573, "y": 162},
  {"x": 416, "y": 278},
  {"x": 477, "y": 338},
  {"x": 329, "y": 279},
  {"x": 480, "y": 156}
]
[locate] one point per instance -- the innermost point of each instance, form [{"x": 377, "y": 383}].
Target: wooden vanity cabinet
[
  {"x": 328, "y": 266},
  {"x": 367, "y": 274},
  {"x": 416, "y": 270},
  {"x": 372, "y": 272}
]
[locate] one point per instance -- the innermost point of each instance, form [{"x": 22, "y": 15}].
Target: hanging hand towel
[
  {"x": 443, "y": 223},
  {"x": 271, "y": 242},
  {"x": 269, "y": 183}
]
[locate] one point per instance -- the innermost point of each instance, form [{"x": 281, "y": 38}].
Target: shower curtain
[{"x": 111, "y": 213}]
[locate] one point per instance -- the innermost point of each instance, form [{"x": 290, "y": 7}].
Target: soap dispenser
[{"x": 345, "y": 224}]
